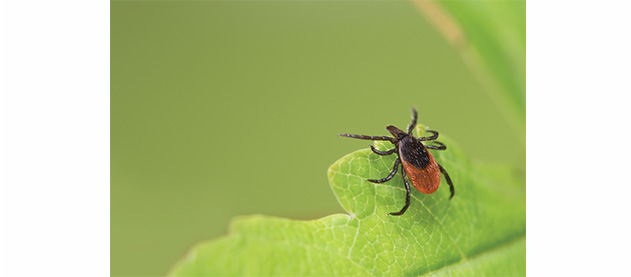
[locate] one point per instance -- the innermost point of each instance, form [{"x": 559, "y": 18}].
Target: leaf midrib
[
  {"x": 481, "y": 254},
  {"x": 478, "y": 255}
]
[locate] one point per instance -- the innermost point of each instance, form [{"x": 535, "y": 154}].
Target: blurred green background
[{"x": 223, "y": 108}]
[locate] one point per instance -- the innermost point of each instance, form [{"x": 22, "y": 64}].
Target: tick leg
[
  {"x": 369, "y": 137},
  {"x": 451, "y": 185},
  {"x": 382, "y": 153},
  {"x": 407, "y": 196},
  {"x": 440, "y": 146},
  {"x": 432, "y": 137},
  {"x": 394, "y": 171},
  {"x": 413, "y": 124}
]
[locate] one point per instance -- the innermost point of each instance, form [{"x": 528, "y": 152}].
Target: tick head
[{"x": 396, "y": 132}]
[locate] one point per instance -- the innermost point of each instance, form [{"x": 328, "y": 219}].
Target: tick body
[{"x": 417, "y": 162}]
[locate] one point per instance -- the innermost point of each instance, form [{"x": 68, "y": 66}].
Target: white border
[
  {"x": 54, "y": 187},
  {"x": 578, "y": 149}
]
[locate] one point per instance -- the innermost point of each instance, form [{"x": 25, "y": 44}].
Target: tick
[{"x": 418, "y": 163}]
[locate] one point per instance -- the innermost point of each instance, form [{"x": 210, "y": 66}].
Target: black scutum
[{"x": 413, "y": 152}]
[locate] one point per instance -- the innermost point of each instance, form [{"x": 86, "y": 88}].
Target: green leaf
[
  {"x": 480, "y": 231},
  {"x": 491, "y": 38}
]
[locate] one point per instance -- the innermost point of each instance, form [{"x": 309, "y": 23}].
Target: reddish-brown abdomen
[{"x": 425, "y": 180}]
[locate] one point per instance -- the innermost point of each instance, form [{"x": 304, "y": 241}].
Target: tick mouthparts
[{"x": 394, "y": 131}]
